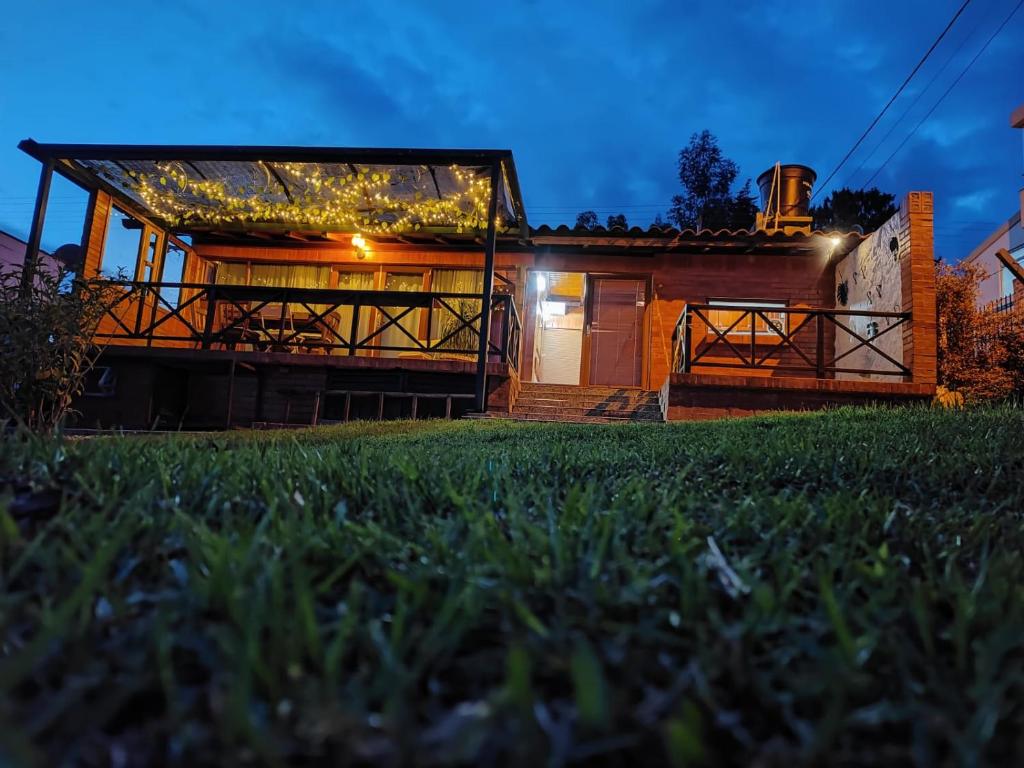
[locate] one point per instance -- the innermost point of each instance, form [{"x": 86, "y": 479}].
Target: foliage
[
  {"x": 618, "y": 220},
  {"x": 586, "y": 220},
  {"x": 46, "y": 343},
  {"x": 981, "y": 352},
  {"x": 839, "y": 588},
  {"x": 464, "y": 337},
  {"x": 707, "y": 177},
  {"x": 846, "y": 209}
]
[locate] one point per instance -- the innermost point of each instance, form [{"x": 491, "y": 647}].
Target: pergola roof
[{"x": 327, "y": 189}]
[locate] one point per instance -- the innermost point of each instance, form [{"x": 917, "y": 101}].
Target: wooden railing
[
  {"x": 784, "y": 339},
  {"x": 310, "y": 320}
]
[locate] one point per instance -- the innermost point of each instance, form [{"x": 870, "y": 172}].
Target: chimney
[{"x": 786, "y": 198}]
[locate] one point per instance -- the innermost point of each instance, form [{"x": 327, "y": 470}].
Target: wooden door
[{"x": 614, "y": 331}]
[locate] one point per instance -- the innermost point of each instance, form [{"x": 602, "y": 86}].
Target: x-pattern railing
[
  {"x": 265, "y": 318},
  {"x": 755, "y": 335}
]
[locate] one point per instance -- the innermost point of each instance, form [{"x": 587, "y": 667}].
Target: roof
[
  {"x": 338, "y": 189},
  {"x": 666, "y": 237}
]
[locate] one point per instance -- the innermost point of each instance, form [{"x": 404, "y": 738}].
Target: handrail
[
  {"x": 274, "y": 318},
  {"x": 768, "y": 338}
]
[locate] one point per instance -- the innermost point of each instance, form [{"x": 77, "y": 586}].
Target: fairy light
[{"x": 367, "y": 199}]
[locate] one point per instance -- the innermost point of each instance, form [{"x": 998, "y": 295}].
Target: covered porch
[{"x": 177, "y": 309}]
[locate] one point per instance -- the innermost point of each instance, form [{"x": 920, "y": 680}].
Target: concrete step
[
  {"x": 608, "y": 402},
  {"x": 646, "y": 412},
  {"x": 532, "y": 387},
  {"x": 561, "y": 419}
]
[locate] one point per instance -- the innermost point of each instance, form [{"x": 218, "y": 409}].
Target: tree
[
  {"x": 586, "y": 220},
  {"x": 707, "y": 177},
  {"x": 47, "y": 342},
  {"x": 981, "y": 352},
  {"x": 618, "y": 220},
  {"x": 744, "y": 208},
  {"x": 845, "y": 209}
]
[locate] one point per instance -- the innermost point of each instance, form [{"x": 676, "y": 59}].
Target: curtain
[
  {"x": 354, "y": 281},
  {"x": 231, "y": 273},
  {"x": 291, "y": 275},
  {"x": 444, "y": 322},
  {"x": 392, "y": 336}
]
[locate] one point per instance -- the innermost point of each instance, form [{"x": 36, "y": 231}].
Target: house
[
  {"x": 269, "y": 285},
  {"x": 12, "y": 252},
  {"x": 1001, "y": 255},
  {"x": 999, "y": 288}
]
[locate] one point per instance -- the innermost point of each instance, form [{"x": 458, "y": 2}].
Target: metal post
[
  {"x": 353, "y": 330},
  {"x": 211, "y": 309},
  {"x": 485, "y": 308},
  {"x": 35, "y": 234}
]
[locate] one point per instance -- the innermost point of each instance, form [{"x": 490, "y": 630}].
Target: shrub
[
  {"x": 981, "y": 352},
  {"x": 46, "y": 343}
]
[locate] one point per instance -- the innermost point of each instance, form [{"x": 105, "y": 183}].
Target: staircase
[{"x": 585, "y": 405}]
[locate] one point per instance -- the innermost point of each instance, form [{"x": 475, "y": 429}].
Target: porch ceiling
[{"x": 326, "y": 189}]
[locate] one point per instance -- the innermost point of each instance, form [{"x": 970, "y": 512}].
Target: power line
[
  {"x": 946, "y": 93},
  {"x": 913, "y": 104},
  {"x": 894, "y": 97}
]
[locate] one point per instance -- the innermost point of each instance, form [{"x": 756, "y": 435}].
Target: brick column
[{"x": 917, "y": 277}]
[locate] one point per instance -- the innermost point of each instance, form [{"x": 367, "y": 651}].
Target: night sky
[{"x": 595, "y": 99}]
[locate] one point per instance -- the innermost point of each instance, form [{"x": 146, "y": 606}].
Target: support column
[
  {"x": 35, "y": 234},
  {"x": 917, "y": 278},
  {"x": 485, "y": 310},
  {"x": 94, "y": 234}
]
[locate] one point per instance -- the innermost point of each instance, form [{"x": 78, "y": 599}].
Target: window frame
[{"x": 767, "y": 333}]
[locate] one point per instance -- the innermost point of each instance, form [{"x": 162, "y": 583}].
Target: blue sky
[{"x": 595, "y": 99}]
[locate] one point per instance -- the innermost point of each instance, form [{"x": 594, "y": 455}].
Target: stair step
[
  {"x": 646, "y": 411},
  {"x": 562, "y": 419},
  {"x": 531, "y": 387},
  {"x": 607, "y": 402}
]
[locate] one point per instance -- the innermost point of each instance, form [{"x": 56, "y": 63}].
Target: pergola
[{"x": 181, "y": 189}]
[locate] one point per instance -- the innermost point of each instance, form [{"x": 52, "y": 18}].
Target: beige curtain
[
  {"x": 444, "y": 322},
  {"x": 232, "y": 273},
  {"x": 392, "y": 336},
  {"x": 291, "y": 275},
  {"x": 354, "y": 281}
]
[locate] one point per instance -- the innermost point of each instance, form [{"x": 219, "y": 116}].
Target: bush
[
  {"x": 46, "y": 343},
  {"x": 981, "y": 352}
]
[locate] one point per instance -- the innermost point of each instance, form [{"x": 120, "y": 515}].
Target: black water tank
[{"x": 797, "y": 183}]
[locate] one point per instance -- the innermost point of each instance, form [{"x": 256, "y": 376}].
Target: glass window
[
  {"x": 121, "y": 248},
  {"x": 723, "y": 319}
]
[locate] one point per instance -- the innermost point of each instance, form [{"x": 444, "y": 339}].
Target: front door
[{"x": 614, "y": 330}]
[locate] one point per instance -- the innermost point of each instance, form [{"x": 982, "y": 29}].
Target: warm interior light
[
  {"x": 542, "y": 282},
  {"x": 358, "y": 241},
  {"x": 835, "y": 240}
]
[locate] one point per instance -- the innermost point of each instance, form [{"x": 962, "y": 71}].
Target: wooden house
[{"x": 285, "y": 285}]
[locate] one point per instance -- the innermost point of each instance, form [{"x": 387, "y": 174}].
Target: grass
[{"x": 839, "y": 588}]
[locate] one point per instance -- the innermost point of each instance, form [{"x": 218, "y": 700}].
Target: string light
[{"x": 304, "y": 195}]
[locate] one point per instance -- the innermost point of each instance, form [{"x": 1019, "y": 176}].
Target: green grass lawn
[{"x": 843, "y": 588}]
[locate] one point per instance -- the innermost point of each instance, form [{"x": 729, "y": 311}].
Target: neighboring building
[
  {"x": 998, "y": 284},
  {"x": 999, "y": 288},
  {"x": 12, "y": 251},
  {"x": 298, "y": 285}
]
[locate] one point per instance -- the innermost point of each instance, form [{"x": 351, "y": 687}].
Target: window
[
  {"x": 722, "y": 319},
  {"x": 100, "y": 381},
  {"x": 121, "y": 248}
]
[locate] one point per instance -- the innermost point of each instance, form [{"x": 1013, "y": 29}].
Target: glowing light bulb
[{"x": 358, "y": 241}]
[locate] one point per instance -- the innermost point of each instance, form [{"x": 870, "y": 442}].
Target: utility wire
[
  {"x": 946, "y": 93},
  {"x": 913, "y": 104},
  {"x": 894, "y": 97}
]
